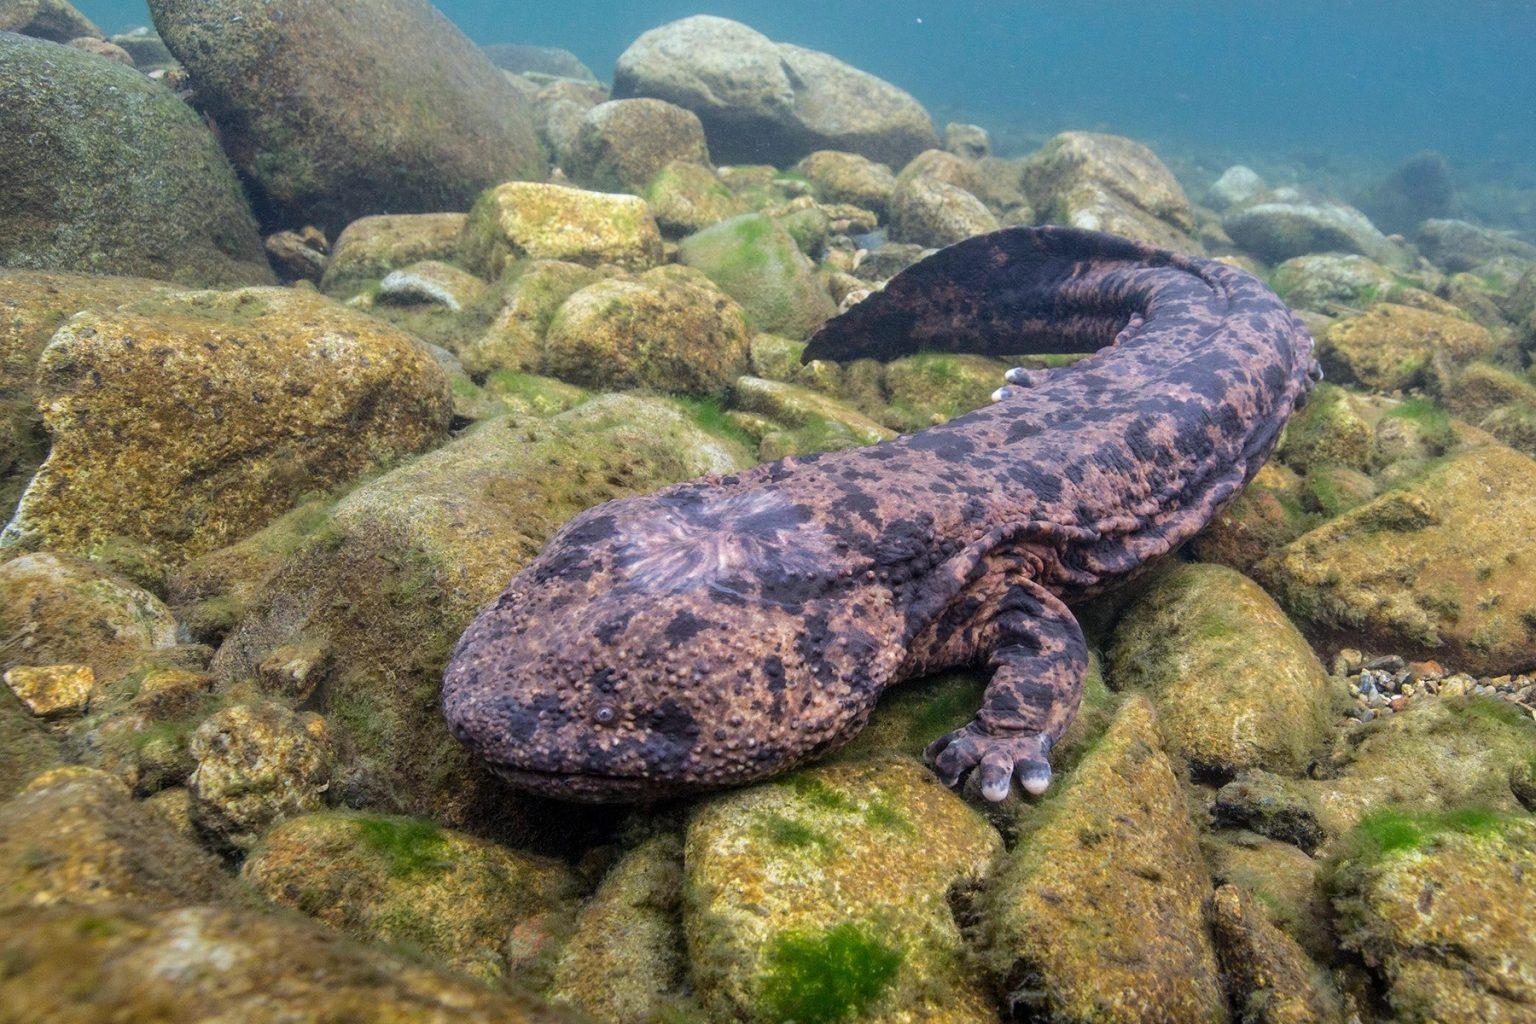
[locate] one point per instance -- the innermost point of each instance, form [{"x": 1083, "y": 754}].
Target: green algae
[
  {"x": 827, "y": 977},
  {"x": 408, "y": 846}
]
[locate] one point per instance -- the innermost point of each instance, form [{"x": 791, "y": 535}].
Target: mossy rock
[
  {"x": 56, "y": 20},
  {"x": 932, "y": 387},
  {"x": 822, "y": 898},
  {"x": 1413, "y": 429},
  {"x": 1437, "y": 568},
  {"x": 88, "y": 966},
  {"x": 1331, "y": 430},
  {"x": 1097, "y": 913},
  {"x": 108, "y": 172},
  {"x": 1393, "y": 347},
  {"x": 27, "y": 748},
  {"x": 1440, "y": 908},
  {"x": 515, "y": 338},
  {"x": 670, "y": 329},
  {"x": 407, "y": 882},
  {"x": 1331, "y": 490},
  {"x": 622, "y": 144},
  {"x": 1325, "y": 281},
  {"x": 1282, "y": 880},
  {"x": 1108, "y": 183},
  {"x": 1265, "y": 517},
  {"x": 1269, "y": 978},
  {"x": 1482, "y": 387},
  {"x": 624, "y": 962},
  {"x": 533, "y": 220},
  {"x": 840, "y": 177},
  {"x": 371, "y": 247},
  {"x": 381, "y": 108},
  {"x": 686, "y": 196},
  {"x": 389, "y": 578},
  {"x": 1236, "y": 686},
  {"x": 76, "y": 836},
  {"x": 756, "y": 262},
  {"x": 795, "y": 420},
  {"x": 930, "y": 212},
  {"x": 136, "y": 453},
  {"x": 1284, "y": 223}
]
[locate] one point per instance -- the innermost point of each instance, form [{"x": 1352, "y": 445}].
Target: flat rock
[{"x": 1394, "y": 347}]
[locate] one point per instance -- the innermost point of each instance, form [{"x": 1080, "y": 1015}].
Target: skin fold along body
[{"x": 729, "y": 628}]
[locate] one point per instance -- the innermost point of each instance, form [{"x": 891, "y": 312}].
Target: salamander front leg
[{"x": 1038, "y": 667}]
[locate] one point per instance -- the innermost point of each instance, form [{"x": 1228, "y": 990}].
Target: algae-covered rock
[
  {"x": 52, "y": 691},
  {"x": 1109, "y": 183},
  {"x": 335, "y": 113},
  {"x": 670, "y": 329},
  {"x": 624, "y": 961},
  {"x": 756, "y": 262},
  {"x": 1329, "y": 490},
  {"x": 1331, "y": 430},
  {"x": 801, "y": 421},
  {"x": 515, "y": 338},
  {"x": 1455, "y": 245},
  {"x": 56, "y": 20},
  {"x": 1265, "y": 517},
  {"x": 257, "y": 764},
  {"x": 932, "y": 387},
  {"x": 622, "y": 144},
  {"x": 1282, "y": 880},
  {"x": 430, "y": 283},
  {"x": 771, "y": 102},
  {"x": 1278, "y": 225},
  {"x": 407, "y": 882},
  {"x": 371, "y": 247},
  {"x": 554, "y": 222},
  {"x": 930, "y": 212},
  {"x": 108, "y": 172},
  {"x": 822, "y": 897},
  {"x": 185, "y": 422},
  {"x": 107, "y": 965},
  {"x": 1393, "y": 347},
  {"x": 840, "y": 177},
  {"x": 1440, "y": 567},
  {"x": 57, "y": 610},
  {"x": 1269, "y": 977},
  {"x": 77, "y": 836},
  {"x": 1097, "y": 914},
  {"x": 686, "y": 197},
  {"x": 1440, "y": 907},
  {"x": 27, "y": 747},
  {"x": 1234, "y": 683},
  {"x": 388, "y": 580},
  {"x": 1272, "y": 806},
  {"x": 1325, "y": 281}
]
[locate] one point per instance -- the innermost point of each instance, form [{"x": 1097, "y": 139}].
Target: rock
[
  {"x": 515, "y": 339},
  {"x": 1235, "y": 685},
  {"x": 27, "y": 746},
  {"x": 1000, "y": 184},
  {"x": 1455, "y": 245},
  {"x": 431, "y": 283},
  {"x": 1325, "y": 281},
  {"x": 52, "y": 691},
  {"x": 1108, "y": 183},
  {"x": 670, "y": 329},
  {"x": 1096, "y": 915},
  {"x": 106, "y": 965},
  {"x": 849, "y": 178},
  {"x": 1283, "y": 223},
  {"x": 522, "y": 59},
  {"x": 102, "y": 48},
  {"x": 145, "y": 46},
  {"x": 1418, "y": 190},
  {"x": 624, "y": 962},
  {"x": 802, "y": 421},
  {"x": 55, "y": 610},
  {"x": 929, "y": 212},
  {"x": 1439, "y": 907},
  {"x": 257, "y": 764},
  {"x": 622, "y": 144},
  {"x": 76, "y": 836},
  {"x": 1265, "y": 517},
  {"x": 1331, "y": 430},
  {"x": 1269, "y": 977},
  {"x": 404, "y": 880},
  {"x": 530, "y": 220},
  {"x": 55, "y": 20},
  {"x": 371, "y": 247},
  {"x": 970, "y": 141},
  {"x": 771, "y": 102},
  {"x": 1415, "y": 429},
  {"x": 1283, "y": 882},
  {"x": 1237, "y": 184},
  {"x": 1270, "y": 806},
  {"x": 561, "y": 106},
  {"x": 1392, "y": 347},
  {"x": 108, "y": 172},
  {"x": 823, "y": 896},
  {"x": 1437, "y": 568},
  {"x": 390, "y": 576},
  {"x": 297, "y": 257},
  {"x": 933, "y": 387},
  {"x": 756, "y": 262},
  {"x": 686, "y": 197},
  {"x": 1330, "y": 490},
  {"x": 135, "y": 456},
  {"x": 383, "y": 108}
]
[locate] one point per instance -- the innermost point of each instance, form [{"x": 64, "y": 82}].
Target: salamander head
[{"x": 661, "y": 645}]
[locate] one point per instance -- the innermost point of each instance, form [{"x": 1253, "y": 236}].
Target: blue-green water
[{"x": 1326, "y": 82}]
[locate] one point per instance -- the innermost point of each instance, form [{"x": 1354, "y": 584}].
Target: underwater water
[{"x": 769, "y": 513}]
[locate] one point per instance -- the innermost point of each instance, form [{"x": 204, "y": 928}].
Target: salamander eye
[{"x": 605, "y": 715}]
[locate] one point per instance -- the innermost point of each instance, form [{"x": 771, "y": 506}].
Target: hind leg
[{"x": 1038, "y": 660}]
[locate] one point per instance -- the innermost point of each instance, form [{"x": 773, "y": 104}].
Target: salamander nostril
[{"x": 604, "y": 715}]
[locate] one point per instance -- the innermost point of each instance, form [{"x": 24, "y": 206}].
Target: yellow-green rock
[
  {"x": 52, "y": 691},
  {"x": 186, "y": 422},
  {"x": 1264, "y": 518},
  {"x": 515, "y": 339},
  {"x": 408, "y": 883},
  {"x": 670, "y": 329},
  {"x": 1282, "y": 881},
  {"x": 77, "y": 836},
  {"x": 933, "y": 387},
  {"x": 1440, "y": 908},
  {"x": 621, "y": 145},
  {"x": 1331, "y": 430},
  {"x": 1392, "y": 347},
  {"x": 840, "y": 177},
  {"x": 1235, "y": 685},
  {"x": 533, "y": 220},
  {"x": 798, "y": 420},
  {"x": 1097, "y": 915},
  {"x": 756, "y": 262},
  {"x": 371, "y": 247},
  {"x": 686, "y": 197},
  {"x": 1326, "y": 281},
  {"x": 934, "y": 213},
  {"x": 1109, "y": 183},
  {"x": 822, "y": 897},
  {"x": 110, "y": 965},
  {"x": 1269, "y": 977},
  {"x": 27, "y": 747},
  {"x": 1329, "y": 490},
  {"x": 1440, "y": 567}
]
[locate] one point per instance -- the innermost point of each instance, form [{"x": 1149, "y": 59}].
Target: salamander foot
[{"x": 1000, "y": 759}]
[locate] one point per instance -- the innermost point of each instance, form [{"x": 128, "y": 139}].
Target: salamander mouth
[{"x": 578, "y": 787}]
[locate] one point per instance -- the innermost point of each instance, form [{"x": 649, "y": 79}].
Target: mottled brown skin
[{"x": 732, "y": 627}]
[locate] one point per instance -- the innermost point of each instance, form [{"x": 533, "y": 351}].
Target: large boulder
[
  {"x": 755, "y": 261},
  {"x": 1440, "y": 567},
  {"x": 56, "y": 20},
  {"x": 1286, "y": 222},
  {"x": 1108, "y": 183},
  {"x": 187, "y": 421},
  {"x": 1394, "y": 347},
  {"x": 622, "y": 144},
  {"x": 767, "y": 102},
  {"x": 522, "y": 59},
  {"x": 1455, "y": 245},
  {"x": 335, "y": 111},
  {"x": 1419, "y": 189},
  {"x": 108, "y": 172}
]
